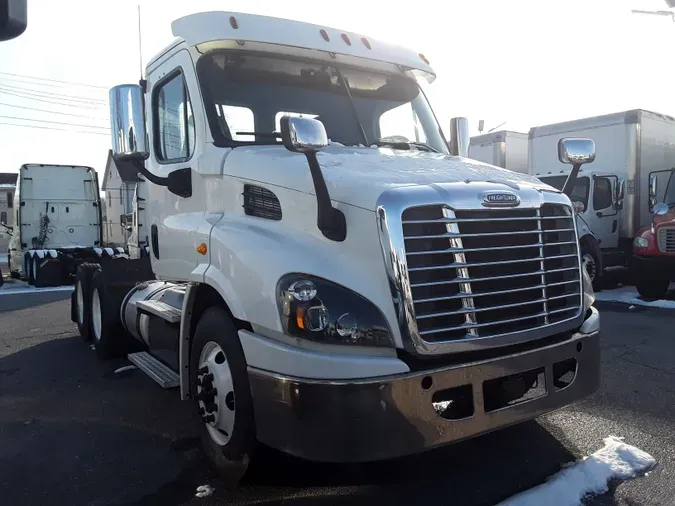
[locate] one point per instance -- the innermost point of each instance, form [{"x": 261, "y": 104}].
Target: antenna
[
  {"x": 140, "y": 45},
  {"x": 495, "y": 128}
]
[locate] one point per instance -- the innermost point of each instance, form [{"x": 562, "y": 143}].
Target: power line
[
  {"x": 52, "y": 128},
  {"x": 53, "y": 122},
  {"x": 79, "y": 106},
  {"x": 52, "y": 112},
  {"x": 48, "y": 94},
  {"x": 14, "y": 80},
  {"x": 54, "y": 80}
]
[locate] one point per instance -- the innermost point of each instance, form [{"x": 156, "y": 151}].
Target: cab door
[
  {"x": 176, "y": 128},
  {"x": 606, "y": 217}
]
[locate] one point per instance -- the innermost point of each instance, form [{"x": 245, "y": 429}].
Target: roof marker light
[
  {"x": 366, "y": 43},
  {"x": 424, "y": 59},
  {"x": 324, "y": 34},
  {"x": 233, "y": 22},
  {"x": 345, "y": 37}
]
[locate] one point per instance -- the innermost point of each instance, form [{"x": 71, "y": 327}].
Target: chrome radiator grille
[
  {"x": 667, "y": 239},
  {"x": 485, "y": 273}
]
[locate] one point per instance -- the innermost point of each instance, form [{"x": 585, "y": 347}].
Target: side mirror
[
  {"x": 308, "y": 136},
  {"x": 660, "y": 209},
  {"x": 303, "y": 135},
  {"x": 576, "y": 151},
  {"x": 620, "y": 190},
  {"x": 459, "y": 137},
  {"x": 579, "y": 207},
  {"x": 13, "y": 18},
  {"x": 127, "y": 123},
  {"x": 653, "y": 186}
]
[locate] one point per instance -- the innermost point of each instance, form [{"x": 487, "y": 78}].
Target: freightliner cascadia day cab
[
  {"x": 357, "y": 299},
  {"x": 615, "y": 196}
]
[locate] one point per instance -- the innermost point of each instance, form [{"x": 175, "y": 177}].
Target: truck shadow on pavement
[{"x": 72, "y": 432}]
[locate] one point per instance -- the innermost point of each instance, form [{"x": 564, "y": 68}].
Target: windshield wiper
[
  {"x": 260, "y": 134},
  {"x": 405, "y": 145}
]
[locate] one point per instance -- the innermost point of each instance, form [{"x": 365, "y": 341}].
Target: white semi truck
[
  {"x": 371, "y": 298},
  {"x": 505, "y": 149},
  {"x": 614, "y": 196},
  {"x": 57, "y": 223}
]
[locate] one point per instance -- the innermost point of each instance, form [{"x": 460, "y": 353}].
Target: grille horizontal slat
[
  {"x": 476, "y": 220},
  {"x": 667, "y": 239},
  {"x": 474, "y": 280},
  {"x": 451, "y": 235},
  {"x": 498, "y": 292},
  {"x": 490, "y": 272},
  {"x": 483, "y": 264},
  {"x": 471, "y": 250},
  {"x": 489, "y": 324}
]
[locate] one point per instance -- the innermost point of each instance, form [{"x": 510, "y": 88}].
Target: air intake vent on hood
[{"x": 261, "y": 202}]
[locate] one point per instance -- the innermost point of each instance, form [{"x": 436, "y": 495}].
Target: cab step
[
  {"x": 161, "y": 374},
  {"x": 158, "y": 308}
]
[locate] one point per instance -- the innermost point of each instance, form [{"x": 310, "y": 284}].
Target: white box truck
[
  {"x": 57, "y": 223},
  {"x": 371, "y": 298},
  {"x": 635, "y": 152},
  {"x": 505, "y": 149}
]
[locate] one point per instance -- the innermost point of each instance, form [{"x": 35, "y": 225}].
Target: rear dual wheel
[{"x": 110, "y": 338}]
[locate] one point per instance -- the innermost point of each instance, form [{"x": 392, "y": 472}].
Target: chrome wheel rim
[
  {"x": 96, "y": 318},
  {"x": 215, "y": 393},
  {"x": 80, "y": 303},
  {"x": 588, "y": 263}
]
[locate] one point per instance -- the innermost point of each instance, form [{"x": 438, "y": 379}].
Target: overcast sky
[{"x": 526, "y": 62}]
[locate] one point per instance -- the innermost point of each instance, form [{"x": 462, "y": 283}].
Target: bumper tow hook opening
[
  {"x": 564, "y": 373},
  {"x": 454, "y": 403}
]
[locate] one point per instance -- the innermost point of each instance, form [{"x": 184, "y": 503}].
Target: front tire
[
  {"x": 219, "y": 384},
  {"x": 591, "y": 262},
  {"x": 652, "y": 288}
]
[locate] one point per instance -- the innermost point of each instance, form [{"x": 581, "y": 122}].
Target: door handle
[{"x": 599, "y": 214}]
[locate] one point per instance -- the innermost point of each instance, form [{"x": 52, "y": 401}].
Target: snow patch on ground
[
  {"x": 629, "y": 295},
  {"x": 13, "y": 289},
  {"x": 204, "y": 491},
  {"x": 617, "y": 460}
]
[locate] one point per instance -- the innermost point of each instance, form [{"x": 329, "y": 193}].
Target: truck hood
[{"x": 358, "y": 176}]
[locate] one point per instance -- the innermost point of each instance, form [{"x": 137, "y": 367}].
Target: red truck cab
[{"x": 654, "y": 248}]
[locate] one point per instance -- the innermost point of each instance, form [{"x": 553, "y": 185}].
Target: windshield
[
  {"x": 669, "y": 198},
  {"x": 246, "y": 95},
  {"x": 579, "y": 192}
]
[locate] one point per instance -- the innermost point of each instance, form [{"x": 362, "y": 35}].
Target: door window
[
  {"x": 602, "y": 193},
  {"x": 174, "y": 121}
]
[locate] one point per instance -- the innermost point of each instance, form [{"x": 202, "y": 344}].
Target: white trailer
[
  {"x": 505, "y": 149},
  {"x": 338, "y": 302},
  {"x": 57, "y": 223},
  {"x": 635, "y": 153}
]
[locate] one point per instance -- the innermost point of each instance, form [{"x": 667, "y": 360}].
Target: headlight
[
  {"x": 589, "y": 293},
  {"x": 318, "y": 310},
  {"x": 640, "y": 242}
]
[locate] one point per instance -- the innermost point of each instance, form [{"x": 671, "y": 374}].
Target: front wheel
[
  {"x": 219, "y": 385},
  {"x": 652, "y": 288},
  {"x": 591, "y": 262}
]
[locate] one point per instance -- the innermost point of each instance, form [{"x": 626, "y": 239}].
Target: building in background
[
  {"x": 119, "y": 185},
  {"x": 7, "y": 189}
]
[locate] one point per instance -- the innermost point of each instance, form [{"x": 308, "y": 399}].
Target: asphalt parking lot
[{"x": 72, "y": 432}]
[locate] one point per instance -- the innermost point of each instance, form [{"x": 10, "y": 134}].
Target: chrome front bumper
[{"x": 380, "y": 418}]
